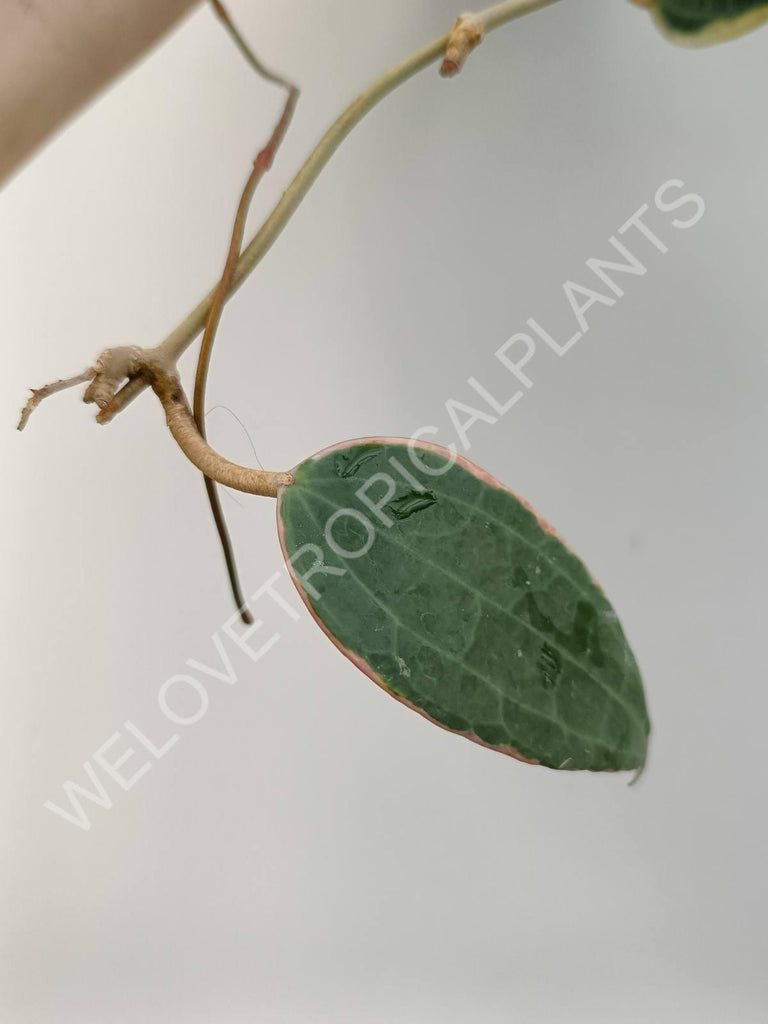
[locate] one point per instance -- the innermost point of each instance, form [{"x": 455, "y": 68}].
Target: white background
[{"x": 310, "y": 850}]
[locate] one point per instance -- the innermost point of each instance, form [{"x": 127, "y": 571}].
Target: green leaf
[
  {"x": 456, "y": 598},
  {"x": 703, "y": 22}
]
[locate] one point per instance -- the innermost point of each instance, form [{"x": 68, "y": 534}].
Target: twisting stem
[
  {"x": 261, "y": 165},
  {"x": 183, "y": 336},
  {"x": 182, "y": 426}
]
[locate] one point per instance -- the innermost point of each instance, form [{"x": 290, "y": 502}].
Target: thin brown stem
[
  {"x": 227, "y": 549},
  {"x": 245, "y": 49},
  {"x": 261, "y": 165}
]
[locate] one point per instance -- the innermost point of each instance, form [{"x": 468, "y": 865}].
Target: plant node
[{"x": 465, "y": 35}]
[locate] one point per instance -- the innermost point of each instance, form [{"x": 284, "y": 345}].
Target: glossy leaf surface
[{"x": 455, "y": 597}]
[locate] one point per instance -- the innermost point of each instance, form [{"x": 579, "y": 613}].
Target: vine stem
[
  {"x": 261, "y": 165},
  {"x": 156, "y": 367},
  {"x": 183, "y": 428},
  {"x": 169, "y": 350}
]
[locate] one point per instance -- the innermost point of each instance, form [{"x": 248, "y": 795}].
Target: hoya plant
[{"x": 436, "y": 580}]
